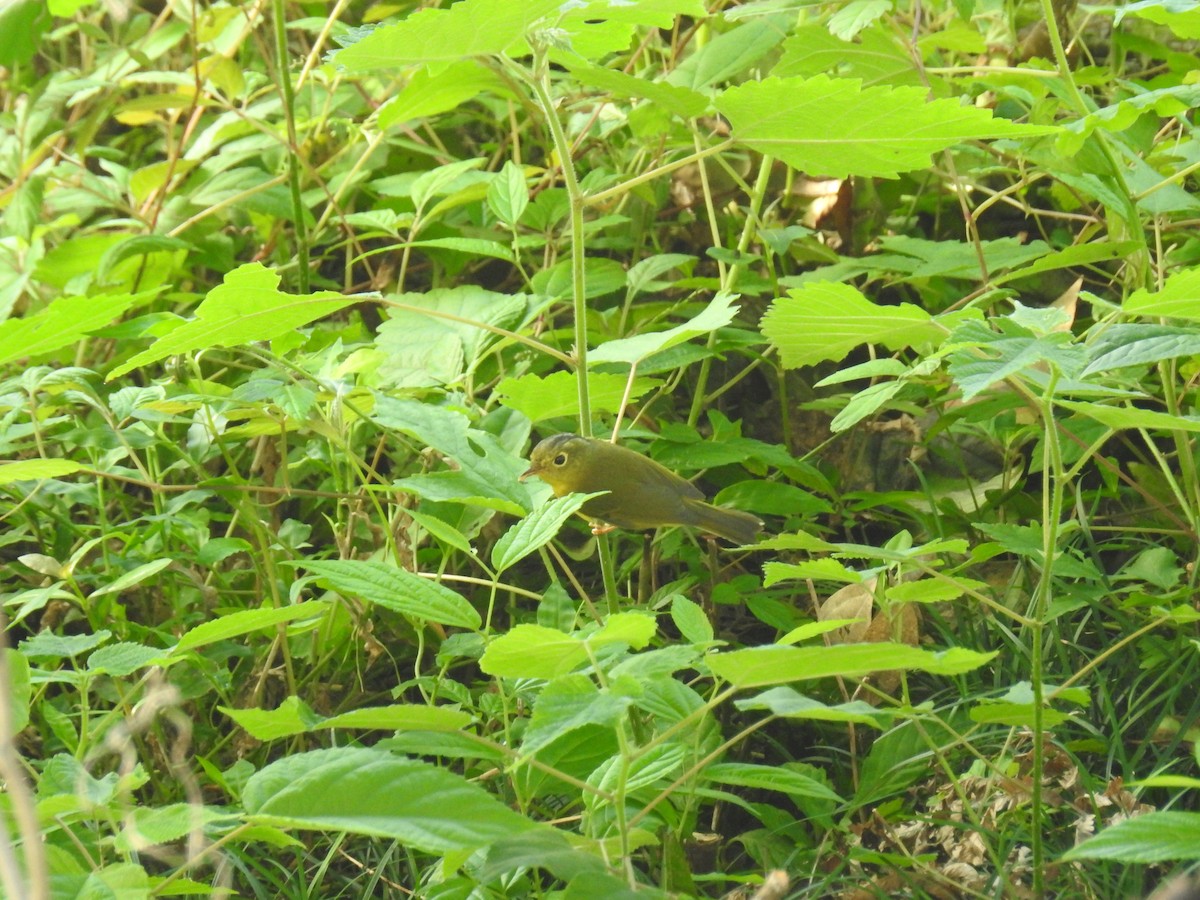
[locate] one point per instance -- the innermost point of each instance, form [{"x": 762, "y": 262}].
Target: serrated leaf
[
  {"x": 826, "y": 320},
  {"x": 1121, "y": 346},
  {"x": 1178, "y": 299},
  {"x": 133, "y": 577},
  {"x": 837, "y": 128},
  {"x": 371, "y": 792},
  {"x": 246, "y": 622},
  {"x": 790, "y": 704},
  {"x": 247, "y": 306},
  {"x": 396, "y": 589},
  {"x": 125, "y": 658},
  {"x": 64, "y": 322},
  {"x": 535, "y": 530},
  {"x": 691, "y": 620},
  {"x": 428, "y": 94}
]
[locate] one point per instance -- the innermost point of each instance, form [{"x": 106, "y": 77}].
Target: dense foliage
[{"x": 288, "y": 290}]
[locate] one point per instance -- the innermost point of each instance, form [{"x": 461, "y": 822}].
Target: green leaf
[
  {"x": 986, "y": 357},
  {"x": 1148, "y": 838},
  {"x": 1123, "y": 417},
  {"x": 717, "y": 314},
  {"x": 790, "y": 704},
  {"x": 1178, "y": 299},
  {"x": 876, "y": 56},
  {"x": 1121, "y": 346},
  {"x": 20, "y": 690},
  {"x": 568, "y": 704},
  {"x": 768, "y": 778},
  {"x": 762, "y": 666},
  {"x": 62, "y": 323},
  {"x": 396, "y": 589},
  {"x": 133, "y": 577},
  {"x": 679, "y": 101},
  {"x": 466, "y": 29},
  {"x": 924, "y": 590},
  {"x": 1080, "y": 255},
  {"x": 365, "y": 791},
  {"x": 248, "y": 306},
  {"x": 246, "y": 622},
  {"x": 428, "y": 94},
  {"x": 826, "y": 320},
  {"x": 433, "y": 339},
  {"x": 557, "y": 394},
  {"x": 148, "y": 826},
  {"x": 690, "y": 619},
  {"x": 487, "y": 473},
  {"x": 856, "y": 15},
  {"x": 731, "y": 53},
  {"x": 508, "y": 194},
  {"x": 816, "y": 569},
  {"x": 125, "y": 658},
  {"x": 837, "y": 128},
  {"x": 535, "y": 651},
  {"x": 535, "y": 530},
  {"x": 36, "y": 469},
  {"x": 294, "y": 716}
]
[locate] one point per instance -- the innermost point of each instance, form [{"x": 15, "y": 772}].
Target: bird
[{"x": 642, "y": 494}]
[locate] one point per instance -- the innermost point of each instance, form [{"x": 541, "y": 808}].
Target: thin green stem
[{"x": 289, "y": 114}]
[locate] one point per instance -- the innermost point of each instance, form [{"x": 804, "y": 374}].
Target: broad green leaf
[
  {"x": 125, "y": 658},
  {"x": 925, "y": 590},
  {"x": 428, "y": 94},
  {"x": 48, "y": 645},
  {"x": 535, "y": 530},
  {"x": 366, "y": 791},
  {"x": 826, "y": 320},
  {"x": 790, "y": 704},
  {"x": 567, "y": 704},
  {"x": 546, "y": 848},
  {"x": 133, "y": 577},
  {"x": 64, "y": 322},
  {"x": 837, "y": 128},
  {"x": 248, "y": 306},
  {"x": 690, "y": 619},
  {"x": 36, "y": 469},
  {"x": 1015, "y": 715},
  {"x": 487, "y": 473},
  {"x": 508, "y": 194},
  {"x": 1122, "y": 417},
  {"x": 1080, "y": 255},
  {"x": 768, "y": 778},
  {"x": 470, "y": 246},
  {"x": 717, "y": 314},
  {"x": 557, "y": 395},
  {"x": 856, "y": 15},
  {"x": 471, "y": 28},
  {"x": 294, "y": 716},
  {"x": 533, "y": 651},
  {"x": 762, "y": 666},
  {"x": 679, "y": 101},
  {"x": 246, "y": 622},
  {"x": 433, "y": 339},
  {"x": 773, "y": 497},
  {"x": 816, "y": 569},
  {"x": 987, "y": 357},
  {"x": 1148, "y": 838},
  {"x": 1178, "y": 299},
  {"x": 1139, "y": 345},
  {"x": 396, "y": 589},
  {"x": 147, "y": 826},
  {"x": 730, "y": 53},
  {"x": 876, "y": 56}
]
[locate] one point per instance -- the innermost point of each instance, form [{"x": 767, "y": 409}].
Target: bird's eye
[{"x": 561, "y": 459}]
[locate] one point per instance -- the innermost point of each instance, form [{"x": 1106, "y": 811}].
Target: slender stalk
[{"x": 279, "y": 9}]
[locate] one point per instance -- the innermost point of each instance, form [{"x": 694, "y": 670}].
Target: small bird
[{"x": 642, "y": 494}]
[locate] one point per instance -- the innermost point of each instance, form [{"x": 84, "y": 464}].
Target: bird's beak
[{"x": 530, "y": 471}]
